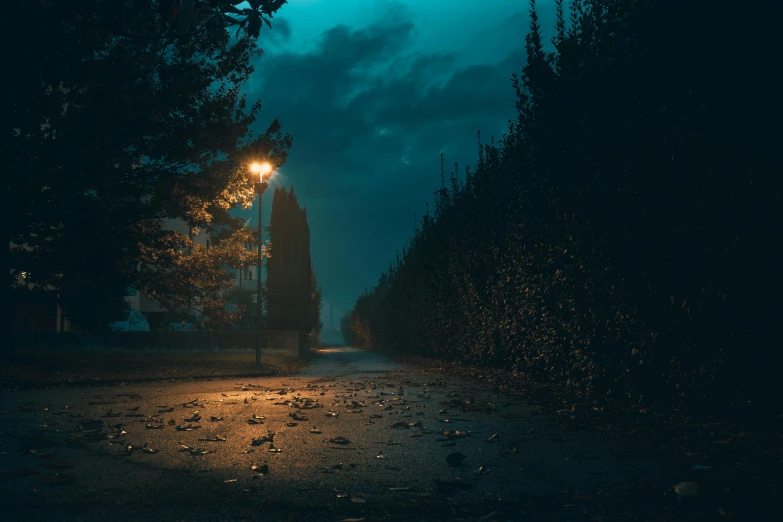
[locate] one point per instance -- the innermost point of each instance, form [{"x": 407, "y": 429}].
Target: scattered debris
[
  {"x": 193, "y": 418},
  {"x": 187, "y": 427},
  {"x": 216, "y": 438},
  {"x": 687, "y": 489},
  {"x": 196, "y": 452}
]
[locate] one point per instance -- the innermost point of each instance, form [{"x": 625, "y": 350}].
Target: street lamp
[{"x": 264, "y": 171}]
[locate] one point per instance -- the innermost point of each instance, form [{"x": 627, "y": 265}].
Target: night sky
[{"x": 372, "y": 92}]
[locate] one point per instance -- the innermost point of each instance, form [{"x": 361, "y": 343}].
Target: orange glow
[{"x": 262, "y": 169}]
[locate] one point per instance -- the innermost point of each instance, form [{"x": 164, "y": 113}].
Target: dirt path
[{"x": 355, "y": 435}]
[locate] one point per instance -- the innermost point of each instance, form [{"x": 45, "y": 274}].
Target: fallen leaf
[
  {"x": 187, "y": 427},
  {"x": 687, "y": 489},
  {"x": 216, "y": 438}
]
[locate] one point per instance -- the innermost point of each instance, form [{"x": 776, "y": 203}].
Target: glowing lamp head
[{"x": 262, "y": 169}]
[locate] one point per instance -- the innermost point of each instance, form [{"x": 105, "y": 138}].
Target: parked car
[
  {"x": 175, "y": 322},
  {"x": 132, "y": 321}
]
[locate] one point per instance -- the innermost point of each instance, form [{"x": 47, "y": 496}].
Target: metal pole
[{"x": 258, "y": 284}]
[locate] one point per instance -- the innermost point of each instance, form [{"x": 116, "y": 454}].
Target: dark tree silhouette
[
  {"x": 289, "y": 276},
  {"x": 122, "y": 114}
]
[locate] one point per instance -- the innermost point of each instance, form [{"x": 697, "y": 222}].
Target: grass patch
[{"x": 36, "y": 368}]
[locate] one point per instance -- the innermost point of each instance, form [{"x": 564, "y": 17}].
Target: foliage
[
  {"x": 186, "y": 274},
  {"x": 123, "y": 114},
  {"x": 289, "y": 277},
  {"x": 618, "y": 236}
]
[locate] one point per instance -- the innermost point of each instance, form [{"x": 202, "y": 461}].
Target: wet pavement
[{"x": 353, "y": 436}]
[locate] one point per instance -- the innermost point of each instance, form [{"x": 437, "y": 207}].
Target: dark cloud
[
  {"x": 279, "y": 32},
  {"x": 369, "y": 117}
]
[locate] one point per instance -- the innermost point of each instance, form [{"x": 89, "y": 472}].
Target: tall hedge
[{"x": 620, "y": 236}]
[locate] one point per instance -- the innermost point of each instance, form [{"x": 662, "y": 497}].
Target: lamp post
[{"x": 264, "y": 171}]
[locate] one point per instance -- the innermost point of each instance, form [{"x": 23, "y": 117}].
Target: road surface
[{"x": 354, "y": 436}]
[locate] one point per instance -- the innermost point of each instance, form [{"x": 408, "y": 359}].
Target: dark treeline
[{"x": 620, "y": 236}]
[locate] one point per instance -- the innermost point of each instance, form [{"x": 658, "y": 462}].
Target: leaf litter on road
[
  {"x": 216, "y": 438},
  {"x": 687, "y": 489},
  {"x": 195, "y": 451},
  {"x": 187, "y": 427},
  {"x": 260, "y": 469},
  {"x": 269, "y": 437}
]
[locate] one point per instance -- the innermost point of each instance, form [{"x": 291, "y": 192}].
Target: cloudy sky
[{"x": 372, "y": 92}]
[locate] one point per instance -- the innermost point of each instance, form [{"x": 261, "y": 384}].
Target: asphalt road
[{"x": 353, "y": 436}]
